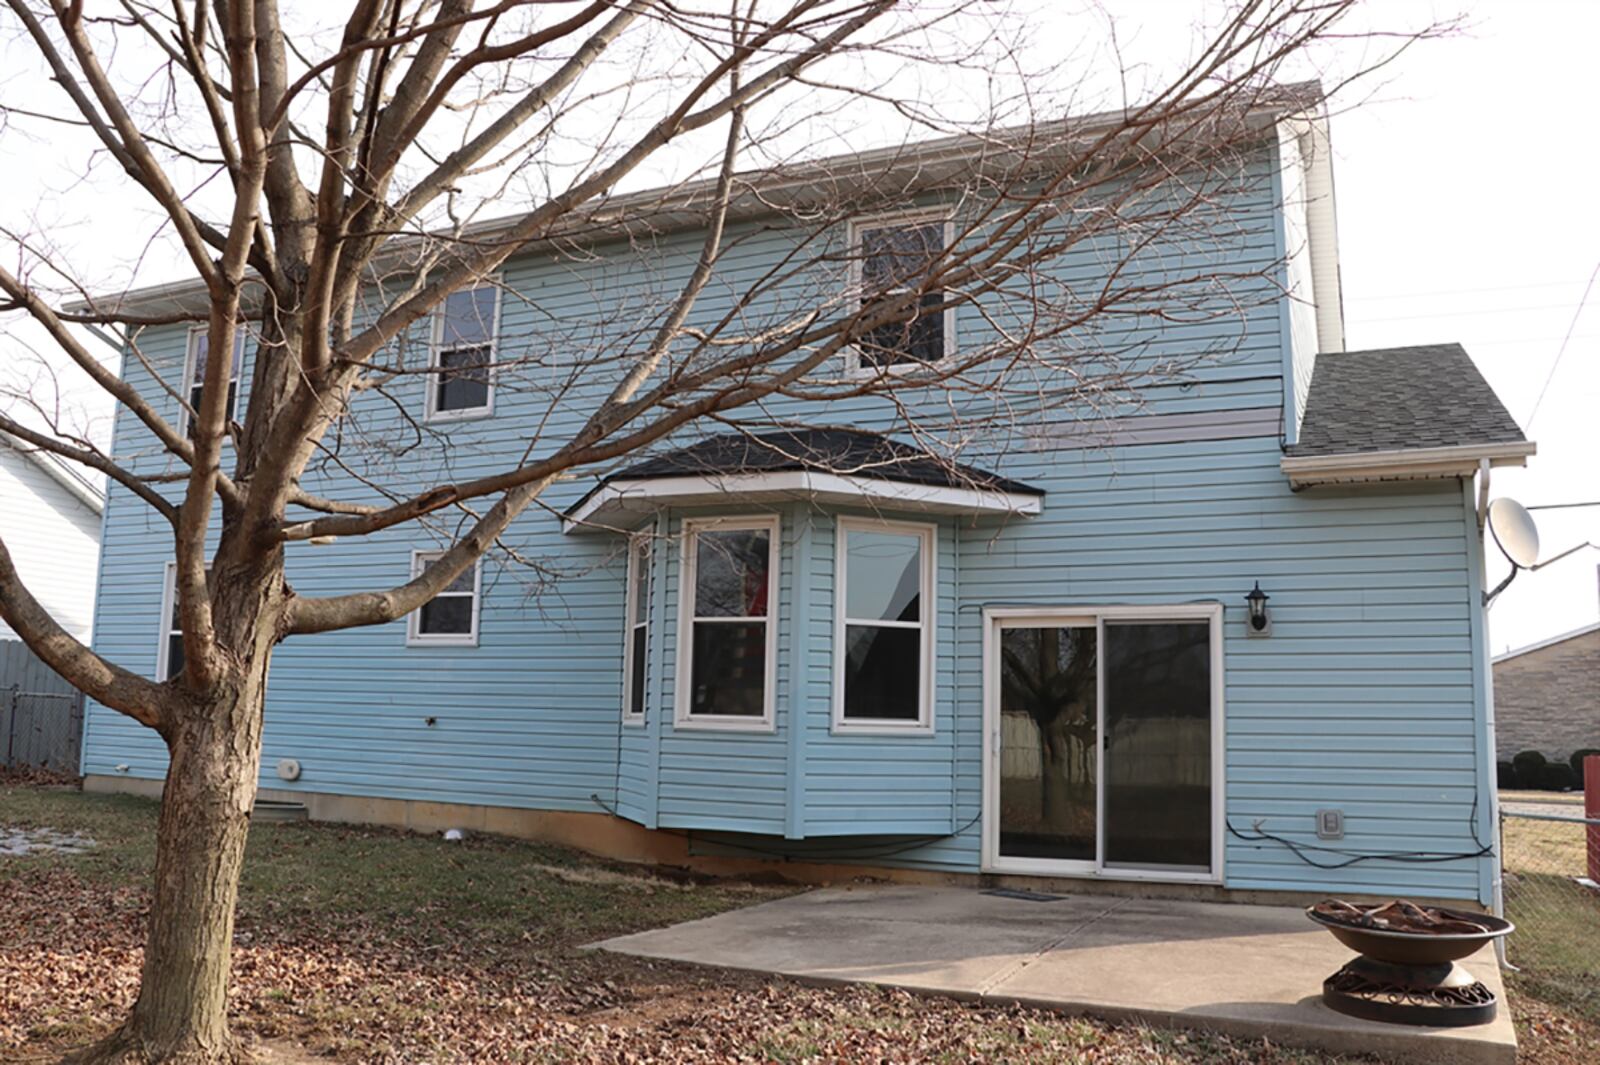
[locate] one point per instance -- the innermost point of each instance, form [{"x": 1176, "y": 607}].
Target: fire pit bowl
[
  {"x": 1415, "y": 948},
  {"x": 1407, "y": 971}
]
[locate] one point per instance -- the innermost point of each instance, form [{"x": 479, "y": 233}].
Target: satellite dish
[{"x": 1515, "y": 532}]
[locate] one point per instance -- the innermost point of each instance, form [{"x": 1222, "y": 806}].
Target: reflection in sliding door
[
  {"x": 1158, "y": 745},
  {"x": 1047, "y": 742}
]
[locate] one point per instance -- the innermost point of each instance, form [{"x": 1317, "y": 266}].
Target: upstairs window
[
  {"x": 199, "y": 352},
  {"x": 637, "y": 638},
  {"x": 883, "y": 641},
  {"x": 449, "y": 618},
  {"x": 461, "y": 381},
  {"x": 727, "y": 639},
  {"x": 895, "y": 257}
]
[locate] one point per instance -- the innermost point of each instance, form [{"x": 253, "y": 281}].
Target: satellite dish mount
[{"x": 1517, "y": 536}]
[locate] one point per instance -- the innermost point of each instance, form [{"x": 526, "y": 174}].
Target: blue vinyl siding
[{"x": 1363, "y": 698}]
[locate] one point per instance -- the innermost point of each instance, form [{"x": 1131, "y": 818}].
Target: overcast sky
[
  {"x": 1465, "y": 181},
  {"x": 1468, "y": 211}
]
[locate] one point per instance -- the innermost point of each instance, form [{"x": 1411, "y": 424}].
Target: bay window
[
  {"x": 727, "y": 638},
  {"x": 883, "y": 639},
  {"x": 636, "y": 640}
]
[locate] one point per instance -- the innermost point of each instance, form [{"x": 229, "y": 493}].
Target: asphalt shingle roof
[
  {"x": 849, "y": 452},
  {"x": 1401, "y": 399}
]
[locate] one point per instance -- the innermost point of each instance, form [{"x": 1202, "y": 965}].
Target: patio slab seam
[{"x": 1015, "y": 968}]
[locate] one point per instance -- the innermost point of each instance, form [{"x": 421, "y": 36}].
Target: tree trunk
[
  {"x": 181, "y": 1012},
  {"x": 1056, "y": 793}
]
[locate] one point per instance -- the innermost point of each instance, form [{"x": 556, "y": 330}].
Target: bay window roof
[{"x": 824, "y": 465}]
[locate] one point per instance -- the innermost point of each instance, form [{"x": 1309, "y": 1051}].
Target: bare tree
[{"x": 327, "y": 195}]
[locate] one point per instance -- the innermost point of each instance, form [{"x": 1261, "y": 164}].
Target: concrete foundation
[{"x": 619, "y": 839}]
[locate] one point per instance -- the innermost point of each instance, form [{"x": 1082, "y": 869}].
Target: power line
[
  {"x": 1574, "y": 324},
  {"x": 1564, "y": 506},
  {"x": 1529, "y": 309},
  {"x": 1459, "y": 291}
]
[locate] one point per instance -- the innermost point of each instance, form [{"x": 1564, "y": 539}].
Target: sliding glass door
[
  {"x": 1102, "y": 733},
  {"x": 1049, "y": 720},
  {"x": 1158, "y": 745}
]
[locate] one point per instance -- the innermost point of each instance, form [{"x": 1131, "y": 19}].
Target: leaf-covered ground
[{"x": 364, "y": 945}]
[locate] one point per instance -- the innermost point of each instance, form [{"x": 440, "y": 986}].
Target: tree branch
[
  {"x": 210, "y": 425},
  {"x": 139, "y": 698},
  {"x": 128, "y": 144},
  {"x": 124, "y": 393},
  {"x": 95, "y": 461}
]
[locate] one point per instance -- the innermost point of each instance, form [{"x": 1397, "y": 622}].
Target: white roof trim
[
  {"x": 1551, "y": 642},
  {"x": 82, "y": 489},
  {"x": 618, "y": 504},
  {"x": 679, "y": 206},
  {"x": 1411, "y": 464}
]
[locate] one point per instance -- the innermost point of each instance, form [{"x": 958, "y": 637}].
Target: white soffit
[
  {"x": 1416, "y": 464},
  {"x": 621, "y": 504}
]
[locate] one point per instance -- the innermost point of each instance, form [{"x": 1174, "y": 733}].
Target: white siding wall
[
  {"x": 1301, "y": 306},
  {"x": 54, "y": 540}
]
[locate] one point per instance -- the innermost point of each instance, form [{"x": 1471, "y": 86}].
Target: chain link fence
[
  {"x": 40, "y": 730},
  {"x": 1551, "y": 864}
]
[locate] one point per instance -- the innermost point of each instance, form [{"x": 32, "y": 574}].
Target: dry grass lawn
[
  {"x": 1556, "y": 947},
  {"x": 359, "y": 945}
]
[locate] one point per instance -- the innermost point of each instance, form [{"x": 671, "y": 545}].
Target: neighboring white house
[{"x": 50, "y": 522}]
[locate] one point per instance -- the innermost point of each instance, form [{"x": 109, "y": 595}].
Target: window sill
[
  {"x": 633, "y": 721},
  {"x": 725, "y": 724},
  {"x": 469, "y": 414},
  {"x": 441, "y": 641},
  {"x": 855, "y": 371},
  {"x": 881, "y": 728}
]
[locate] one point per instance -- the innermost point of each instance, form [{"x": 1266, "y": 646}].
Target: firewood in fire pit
[{"x": 1400, "y": 915}]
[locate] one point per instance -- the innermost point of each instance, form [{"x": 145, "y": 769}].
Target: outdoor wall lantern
[{"x": 1259, "y": 623}]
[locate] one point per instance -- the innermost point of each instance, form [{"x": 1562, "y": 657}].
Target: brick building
[{"x": 1547, "y": 695}]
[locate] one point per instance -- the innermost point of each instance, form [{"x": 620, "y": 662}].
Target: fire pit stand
[
  {"x": 1435, "y": 996},
  {"x": 1412, "y": 977}
]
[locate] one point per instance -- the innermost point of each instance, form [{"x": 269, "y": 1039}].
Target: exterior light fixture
[{"x": 1259, "y": 623}]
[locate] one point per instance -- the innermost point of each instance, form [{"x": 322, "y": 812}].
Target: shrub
[
  {"x": 1557, "y": 776},
  {"x": 1576, "y": 760},
  {"x": 1506, "y": 776},
  {"x": 1529, "y": 765}
]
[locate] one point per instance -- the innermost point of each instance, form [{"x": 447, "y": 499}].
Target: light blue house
[{"x": 805, "y": 642}]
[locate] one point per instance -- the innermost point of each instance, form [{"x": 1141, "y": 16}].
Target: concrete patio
[{"x": 1253, "y": 971}]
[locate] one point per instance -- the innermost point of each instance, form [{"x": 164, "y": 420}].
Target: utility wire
[
  {"x": 1574, "y": 324},
  {"x": 1459, "y": 291},
  {"x": 1564, "y": 506}
]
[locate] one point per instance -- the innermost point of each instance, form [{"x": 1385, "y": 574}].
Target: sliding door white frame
[{"x": 997, "y": 618}]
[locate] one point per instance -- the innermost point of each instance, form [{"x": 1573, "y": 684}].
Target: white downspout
[{"x": 1497, "y": 879}]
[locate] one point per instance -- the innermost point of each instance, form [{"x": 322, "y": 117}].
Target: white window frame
[
  {"x": 431, "y": 413},
  {"x": 682, "y": 718},
  {"x": 927, "y": 608},
  {"x": 853, "y": 362},
  {"x": 991, "y": 861},
  {"x": 242, "y": 336},
  {"x": 415, "y": 637},
  {"x": 169, "y": 598},
  {"x": 630, "y": 624}
]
